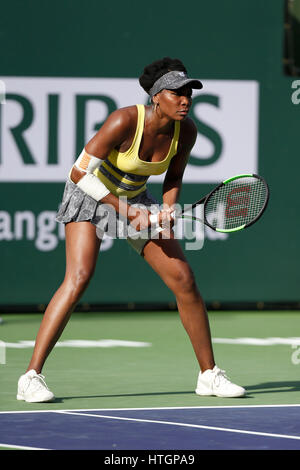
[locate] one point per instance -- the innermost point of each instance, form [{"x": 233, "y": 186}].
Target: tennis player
[{"x": 112, "y": 171}]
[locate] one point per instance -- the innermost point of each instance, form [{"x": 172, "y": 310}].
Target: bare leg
[
  {"x": 167, "y": 259},
  {"x": 82, "y": 249}
]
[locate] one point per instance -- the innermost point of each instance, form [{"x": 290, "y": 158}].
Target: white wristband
[{"x": 93, "y": 186}]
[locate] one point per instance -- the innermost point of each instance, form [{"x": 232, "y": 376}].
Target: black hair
[{"x": 157, "y": 69}]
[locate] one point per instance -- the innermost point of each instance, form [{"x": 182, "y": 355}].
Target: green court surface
[{"x": 145, "y": 359}]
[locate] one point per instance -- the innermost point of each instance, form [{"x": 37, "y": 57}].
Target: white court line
[
  {"x": 111, "y": 343},
  {"x": 21, "y": 447},
  {"x": 203, "y": 407},
  {"x": 198, "y": 426}
]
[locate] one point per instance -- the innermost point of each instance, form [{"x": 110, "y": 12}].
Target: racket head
[{"x": 236, "y": 203}]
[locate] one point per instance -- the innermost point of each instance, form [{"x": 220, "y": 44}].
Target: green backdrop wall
[{"x": 221, "y": 42}]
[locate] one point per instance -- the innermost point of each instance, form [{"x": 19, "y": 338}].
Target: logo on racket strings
[{"x": 238, "y": 197}]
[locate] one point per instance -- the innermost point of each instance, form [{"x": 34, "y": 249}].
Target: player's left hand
[{"x": 165, "y": 220}]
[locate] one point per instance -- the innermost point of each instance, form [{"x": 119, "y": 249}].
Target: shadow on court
[
  {"x": 61, "y": 399},
  {"x": 274, "y": 387},
  {"x": 263, "y": 388}
]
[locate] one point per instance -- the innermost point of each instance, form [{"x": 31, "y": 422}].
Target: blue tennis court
[{"x": 199, "y": 428}]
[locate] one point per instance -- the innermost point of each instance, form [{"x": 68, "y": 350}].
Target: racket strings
[{"x": 236, "y": 203}]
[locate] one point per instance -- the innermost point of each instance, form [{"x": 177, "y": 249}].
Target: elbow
[{"x": 76, "y": 174}]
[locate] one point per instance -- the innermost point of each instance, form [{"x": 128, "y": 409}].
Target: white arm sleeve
[{"x": 89, "y": 183}]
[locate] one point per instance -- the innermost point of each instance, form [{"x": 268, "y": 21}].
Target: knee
[
  {"x": 78, "y": 280},
  {"x": 183, "y": 281}
]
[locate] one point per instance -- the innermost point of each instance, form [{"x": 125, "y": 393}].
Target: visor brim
[{"x": 196, "y": 84}]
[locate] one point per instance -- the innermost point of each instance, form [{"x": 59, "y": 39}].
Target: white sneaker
[
  {"x": 33, "y": 389},
  {"x": 214, "y": 382}
]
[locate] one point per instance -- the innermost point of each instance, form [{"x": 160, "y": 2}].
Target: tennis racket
[{"x": 233, "y": 205}]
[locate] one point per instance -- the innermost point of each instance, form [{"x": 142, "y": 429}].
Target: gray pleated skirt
[{"x": 77, "y": 206}]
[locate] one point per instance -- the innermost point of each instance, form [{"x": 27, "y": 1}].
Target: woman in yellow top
[{"x": 134, "y": 143}]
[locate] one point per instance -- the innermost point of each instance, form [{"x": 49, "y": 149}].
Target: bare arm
[
  {"x": 173, "y": 180},
  {"x": 110, "y": 199},
  {"x": 116, "y": 130}
]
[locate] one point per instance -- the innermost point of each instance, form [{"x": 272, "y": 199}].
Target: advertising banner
[{"x": 46, "y": 122}]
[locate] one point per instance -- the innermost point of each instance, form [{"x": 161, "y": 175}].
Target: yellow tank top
[{"x": 124, "y": 173}]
